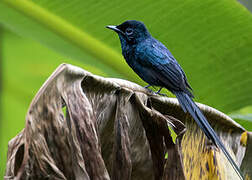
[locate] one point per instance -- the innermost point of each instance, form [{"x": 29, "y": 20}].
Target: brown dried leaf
[{"x": 115, "y": 129}]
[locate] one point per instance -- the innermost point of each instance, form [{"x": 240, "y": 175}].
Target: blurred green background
[{"x": 211, "y": 39}]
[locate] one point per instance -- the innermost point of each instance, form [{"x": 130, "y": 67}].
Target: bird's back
[{"x": 155, "y": 64}]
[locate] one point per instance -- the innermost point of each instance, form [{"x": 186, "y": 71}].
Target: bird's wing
[{"x": 164, "y": 66}]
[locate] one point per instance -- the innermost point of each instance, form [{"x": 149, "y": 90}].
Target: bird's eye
[{"x": 129, "y": 31}]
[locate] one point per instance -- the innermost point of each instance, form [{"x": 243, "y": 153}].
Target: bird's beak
[{"x": 114, "y": 28}]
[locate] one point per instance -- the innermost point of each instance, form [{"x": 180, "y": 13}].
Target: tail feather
[{"x": 188, "y": 105}]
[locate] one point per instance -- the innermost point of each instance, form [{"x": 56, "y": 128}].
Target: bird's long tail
[{"x": 188, "y": 105}]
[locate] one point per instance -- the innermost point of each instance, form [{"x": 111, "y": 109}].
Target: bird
[{"x": 155, "y": 64}]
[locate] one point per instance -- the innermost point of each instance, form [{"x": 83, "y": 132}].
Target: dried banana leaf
[{"x": 82, "y": 126}]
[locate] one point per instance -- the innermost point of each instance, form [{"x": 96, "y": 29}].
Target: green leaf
[
  {"x": 243, "y": 117},
  {"x": 173, "y": 135},
  {"x": 12, "y": 124},
  {"x": 211, "y": 39},
  {"x": 247, "y": 4},
  {"x": 242, "y": 120},
  {"x": 247, "y": 117},
  {"x": 58, "y": 33}
]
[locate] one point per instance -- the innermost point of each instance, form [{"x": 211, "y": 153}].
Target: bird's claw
[
  {"x": 151, "y": 91},
  {"x": 158, "y": 92},
  {"x": 147, "y": 87}
]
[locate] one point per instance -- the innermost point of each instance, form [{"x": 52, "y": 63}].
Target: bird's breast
[{"x": 134, "y": 61}]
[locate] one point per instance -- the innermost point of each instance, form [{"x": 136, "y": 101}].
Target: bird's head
[{"x": 131, "y": 31}]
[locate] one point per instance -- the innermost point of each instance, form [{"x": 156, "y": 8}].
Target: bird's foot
[
  {"x": 158, "y": 92},
  {"x": 161, "y": 94},
  {"x": 147, "y": 86}
]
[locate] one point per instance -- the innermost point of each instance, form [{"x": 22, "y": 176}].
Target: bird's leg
[
  {"x": 147, "y": 86},
  {"x": 158, "y": 92}
]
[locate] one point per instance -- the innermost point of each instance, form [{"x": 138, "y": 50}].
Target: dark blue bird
[{"x": 155, "y": 64}]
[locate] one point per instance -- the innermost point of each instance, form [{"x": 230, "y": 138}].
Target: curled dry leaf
[{"x": 115, "y": 129}]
